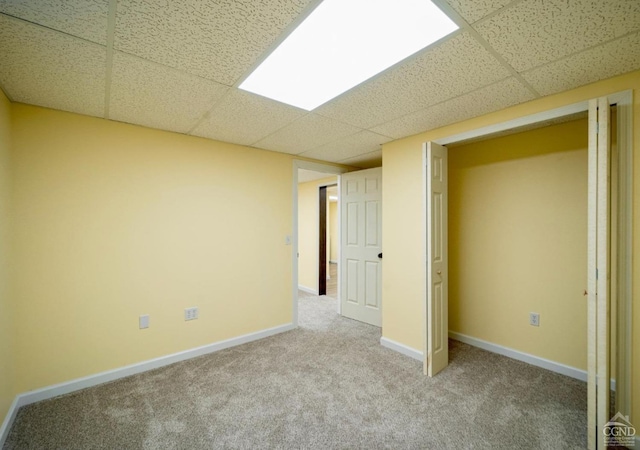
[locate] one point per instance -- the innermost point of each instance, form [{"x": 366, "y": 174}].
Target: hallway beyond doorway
[{"x": 332, "y": 282}]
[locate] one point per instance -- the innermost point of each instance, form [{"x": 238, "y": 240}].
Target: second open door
[
  {"x": 361, "y": 249},
  {"x": 437, "y": 345}
]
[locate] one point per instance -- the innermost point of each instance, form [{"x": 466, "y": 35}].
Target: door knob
[{"x": 380, "y": 255}]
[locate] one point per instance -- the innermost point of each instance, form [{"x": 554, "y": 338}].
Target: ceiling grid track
[
  {"x": 504, "y": 63},
  {"x": 111, "y": 29},
  {"x": 207, "y": 113},
  {"x": 464, "y": 25},
  {"x": 570, "y": 55}
]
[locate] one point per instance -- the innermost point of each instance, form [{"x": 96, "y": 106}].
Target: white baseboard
[
  {"x": 401, "y": 348},
  {"x": 67, "y": 387},
  {"x": 8, "y": 421},
  {"x": 525, "y": 357},
  {"x": 307, "y": 290}
]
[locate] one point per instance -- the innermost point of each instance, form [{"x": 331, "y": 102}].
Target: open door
[
  {"x": 322, "y": 240},
  {"x": 361, "y": 249},
  {"x": 437, "y": 344},
  {"x": 599, "y": 274}
]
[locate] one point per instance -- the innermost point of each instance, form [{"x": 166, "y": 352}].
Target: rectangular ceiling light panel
[{"x": 343, "y": 43}]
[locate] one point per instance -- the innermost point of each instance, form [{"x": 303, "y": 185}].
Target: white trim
[
  {"x": 67, "y": 387},
  {"x": 333, "y": 261},
  {"x": 8, "y": 420},
  {"x": 553, "y": 366},
  {"x": 308, "y": 290},
  {"x": 401, "y": 348},
  {"x": 521, "y": 356},
  {"x": 515, "y": 123}
]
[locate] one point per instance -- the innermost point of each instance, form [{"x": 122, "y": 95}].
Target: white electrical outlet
[
  {"x": 191, "y": 313},
  {"x": 143, "y": 321},
  {"x": 534, "y": 319}
]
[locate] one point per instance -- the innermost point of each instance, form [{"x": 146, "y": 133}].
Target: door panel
[
  {"x": 372, "y": 231},
  {"x": 372, "y": 280},
  {"x": 598, "y": 273},
  {"x": 437, "y": 321},
  {"x": 361, "y": 203}
]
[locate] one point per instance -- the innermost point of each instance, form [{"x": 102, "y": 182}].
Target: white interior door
[
  {"x": 361, "y": 249},
  {"x": 436, "y": 346},
  {"x": 599, "y": 273}
]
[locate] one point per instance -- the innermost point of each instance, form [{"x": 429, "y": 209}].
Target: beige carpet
[{"x": 328, "y": 384}]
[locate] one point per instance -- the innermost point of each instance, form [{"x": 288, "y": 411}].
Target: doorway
[
  {"x": 329, "y": 245},
  {"x": 619, "y": 219},
  {"x": 305, "y": 228},
  {"x": 359, "y": 235}
]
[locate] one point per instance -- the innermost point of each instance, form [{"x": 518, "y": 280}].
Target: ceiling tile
[
  {"x": 348, "y": 147},
  {"x": 245, "y": 118},
  {"x": 605, "y": 61},
  {"x": 365, "y": 161},
  {"x": 218, "y": 40},
  {"x": 308, "y": 132},
  {"x": 534, "y": 32},
  {"x": 83, "y": 18},
  {"x": 46, "y": 68},
  {"x": 431, "y": 77},
  {"x": 146, "y": 93},
  {"x": 498, "y": 96},
  {"x": 474, "y": 10}
]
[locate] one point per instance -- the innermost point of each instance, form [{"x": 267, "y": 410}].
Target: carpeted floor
[{"x": 327, "y": 384}]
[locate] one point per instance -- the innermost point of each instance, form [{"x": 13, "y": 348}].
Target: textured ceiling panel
[
  {"x": 156, "y": 96},
  {"x": 474, "y": 10},
  {"x": 348, "y": 147},
  {"x": 218, "y": 40},
  {"x": 534, "y": 32},
  {"x": 306, "y": 133},
  {"x": 46, "y": 68},
  {"x": 500, "y": 95},
  {"x": 366, "y": 161},
  {"x": 456, "y": 66},
  {"x": 83, "y": 18},
  {"x": 245, "y": 118},
  {"x": 615, "y": 58}
]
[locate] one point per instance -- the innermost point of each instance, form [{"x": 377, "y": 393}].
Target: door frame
[
  {"x": 623, "y": 281},
  {"x": 317, "y": 167}
]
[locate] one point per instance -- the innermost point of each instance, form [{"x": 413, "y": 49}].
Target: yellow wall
[
  {"x": 518, "y": 241},
  {"x": 403, "y": 240},
  {"x": 333, "y": 231},
  {"x": 113, "y": 221},
  {"x": 308, "y": 239},
  {"x": 7, "y": 387}
]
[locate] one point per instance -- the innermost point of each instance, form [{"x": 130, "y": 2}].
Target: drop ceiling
[{"x": 176, "y": 65}]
